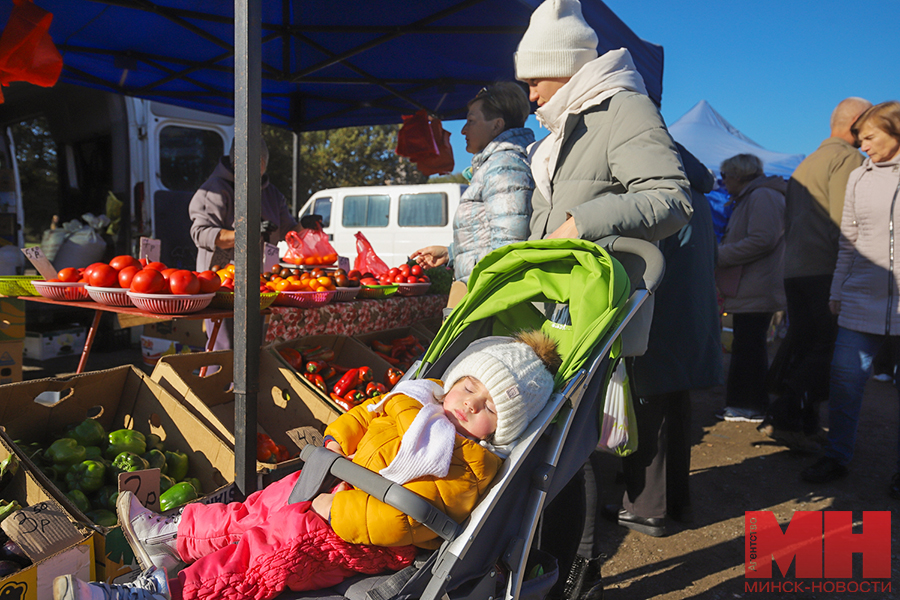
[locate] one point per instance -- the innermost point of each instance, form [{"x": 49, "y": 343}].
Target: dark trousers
[
  {"x": 746, "y": 386},
  {"x": 656, "y": 474},
  {"x": 811, "y": 333}
]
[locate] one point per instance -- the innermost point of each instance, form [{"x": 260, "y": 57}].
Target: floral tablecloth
[{"x": 351, "y": 318}]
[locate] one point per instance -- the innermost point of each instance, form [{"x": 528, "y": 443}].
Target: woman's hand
[
  {"x": 225, "y": 239},
  {"x": 566, "y": 230},
  {"x": 834, "y": 306},
  {"x": 431, "y": 256}
]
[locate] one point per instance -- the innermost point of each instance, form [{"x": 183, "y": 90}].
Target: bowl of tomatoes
[
  {"x": 109, "y": 296},
  {"x": 64, "y": 291},
  {"x": 170, "y": 304}
]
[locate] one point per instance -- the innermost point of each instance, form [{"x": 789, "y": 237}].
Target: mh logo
[{"x": 820, "y": 543}]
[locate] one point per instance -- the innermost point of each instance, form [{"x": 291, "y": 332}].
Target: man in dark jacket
[{"x": 814, "y": 203}]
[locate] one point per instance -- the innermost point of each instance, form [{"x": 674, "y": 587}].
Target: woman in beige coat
[
  {"x": 864, "y": 290},
  {"x": 752, "y": 256}
]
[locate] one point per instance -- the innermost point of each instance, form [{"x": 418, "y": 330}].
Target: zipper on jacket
[{"x": 890, "y": 273}]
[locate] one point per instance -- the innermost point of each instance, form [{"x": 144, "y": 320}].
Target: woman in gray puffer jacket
[{"x": 496, "y": 207}]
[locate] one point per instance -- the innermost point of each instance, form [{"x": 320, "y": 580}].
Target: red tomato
[
  {"x": 404, "y": 270},
  {"x": 103, "y": 275},
  {"x": 209, "y": 282},
  {"x": 411, "y": 279},
  {"x": 156, "y": 265},
  {"x": 87, "y": 270},
  {"x": 354, "y": 274},
  {"x": 166, "y": 273},
  {"x": 398, "y": 278},
  {"x": 369, "y": 281},
  {"x": 69, "y": 274},
  {"x": 148, "y": 281},
  {"x": 120, "y": 262},
  {"x": 126, "y": 275},
  {"x": 393, "y": 271},
  {"x": 415, "y": 271},
  {"x": 143, "y": 262},
  {"x": 184, "y": 282}
]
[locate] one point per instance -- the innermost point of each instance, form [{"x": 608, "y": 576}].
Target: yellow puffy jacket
[{"x": 375, "y": 439}]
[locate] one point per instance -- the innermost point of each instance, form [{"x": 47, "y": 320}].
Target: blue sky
[{"x": 773, "y": 69}]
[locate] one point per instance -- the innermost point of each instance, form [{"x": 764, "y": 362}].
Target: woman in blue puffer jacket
[{"x": 496, "y": 207}]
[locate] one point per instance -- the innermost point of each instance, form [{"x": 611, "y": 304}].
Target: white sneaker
[
  {"x": 740, "y": 415},
  {"x": 152, "y": 584},
  {"x": 150, "y": 535}
]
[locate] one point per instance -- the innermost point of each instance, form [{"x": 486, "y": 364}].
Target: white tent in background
[{"x": 712, "y": 139}]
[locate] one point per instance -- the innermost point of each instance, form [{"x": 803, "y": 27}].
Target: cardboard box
[
  {"x": 12, "y": 319},
  {"x": 429, "y": 326},
  {"x": 61, "y": 546},
  {"x": 11, "y": 361},
  {"x": 283, "y": 402},
  {"x": 152, "y": 349},
  {"x": 43, "y": 345},
  {"x": 349, "y": 353},
  {"x": 188, "y": 332},
  {"x": 122, "y": 397},
  {"x": 389, "y": 335}
]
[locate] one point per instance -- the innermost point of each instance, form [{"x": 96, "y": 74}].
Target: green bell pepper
[
  {"x": 8, "y": 508},
  {"x": 154, "y": 442},
  {"x": 105, "y": 498},
  {"x": 87, "y": 476},
  {"x": 89, "y": 433},
  {"x": 103, "y": 517},
  {"x": 156, "y": 460},
  {"x": 128, "y": 462},
  {"x": 179, "y": 494},
  {"x": 196, "y": 483},
  {"x": 93, "y": 453},
  {"x": 165, "y": 482},
  {"x": 126, "y": 440},
  {"x": 79, "y": 499},
  {"x": 65, "y": 451},
  {"x": 8, "y": 469},
  {"x": 176, "y": 464},
  {"x": 32, "y": 450}
]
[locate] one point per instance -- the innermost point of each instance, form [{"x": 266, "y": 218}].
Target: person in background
[
  {"x": 212, "y": 223},
  {"x": 752, "y": 254},
  {"x": 814, "y": 203},
  {"x": 495, "y": 208},
  {"x": 684, "y": 353},
  {"x": 607, "y": 167},
  {"x": 864, "y": 287}
]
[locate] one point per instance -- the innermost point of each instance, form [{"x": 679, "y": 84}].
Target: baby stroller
[{"x": 590, "y": 294}]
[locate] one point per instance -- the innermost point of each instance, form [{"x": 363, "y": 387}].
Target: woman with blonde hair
[{"x": 864, "y": 291}]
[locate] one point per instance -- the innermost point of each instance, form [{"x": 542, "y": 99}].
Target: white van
[{"x": 396, "y": 219}]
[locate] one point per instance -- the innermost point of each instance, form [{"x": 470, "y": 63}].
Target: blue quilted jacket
[{"x": 496, "y": 207}]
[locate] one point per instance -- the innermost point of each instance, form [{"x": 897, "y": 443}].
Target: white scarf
[
  {"x": 596, "y": 81},
  {"x": 427, "y": 446}
]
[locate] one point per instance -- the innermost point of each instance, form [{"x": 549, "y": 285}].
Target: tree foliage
[
  {"x": 353, "y": 156},
  {"x": 36, "y": 157}
]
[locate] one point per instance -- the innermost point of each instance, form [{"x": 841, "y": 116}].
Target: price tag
[
  {"x": 150, "y": 249},
  {"x": 144, "y": 485},
  {"x": 40, "y": 262},
  {"x": 344, "y": 263},
  {"x": 270, "y": 257},
  {"x": 41, "y": 529}
]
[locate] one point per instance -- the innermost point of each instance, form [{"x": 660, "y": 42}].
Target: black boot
[{"x": 584, "y": 581}]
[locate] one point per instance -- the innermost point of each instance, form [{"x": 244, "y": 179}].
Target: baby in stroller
[{"x": 444, "y": 441}]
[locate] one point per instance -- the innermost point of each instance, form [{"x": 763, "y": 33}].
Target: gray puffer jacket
[
  {"x": 495, "y": 208},
  {"x": 867, "y": 272},
  {"x": 754, "y": 239}
]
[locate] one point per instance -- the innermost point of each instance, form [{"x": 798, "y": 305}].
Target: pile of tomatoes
[
  {"x": 283, "y": 279},
  {"x": 403, "y": 274},
  {"x": 142, "y": 277}
]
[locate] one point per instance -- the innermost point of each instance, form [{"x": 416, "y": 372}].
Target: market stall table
[
  {"x": 130, "y": 316},
  {"x": 351, "y": 318}
]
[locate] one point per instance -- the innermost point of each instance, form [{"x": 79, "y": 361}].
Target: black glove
[{"x": 267, "y": 228}]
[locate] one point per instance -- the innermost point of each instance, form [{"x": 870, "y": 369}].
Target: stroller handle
[{"x": 654, "y": 265}]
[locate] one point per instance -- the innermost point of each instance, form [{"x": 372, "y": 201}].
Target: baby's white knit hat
[
  {"x": 516, "y": 378},
  {"x": 557, "y": 43}
]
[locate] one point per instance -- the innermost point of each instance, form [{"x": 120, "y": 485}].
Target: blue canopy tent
[{"x": 302, "y": 65}]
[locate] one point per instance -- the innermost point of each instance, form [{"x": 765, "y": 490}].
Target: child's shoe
[
  {"x": 150, "y": 535},
  {"x": 152, "y": 584}
]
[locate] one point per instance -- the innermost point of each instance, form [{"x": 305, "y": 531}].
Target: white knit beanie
[
  {"x": 557, "y": 43},
  {"x": 517, "y": 380}
]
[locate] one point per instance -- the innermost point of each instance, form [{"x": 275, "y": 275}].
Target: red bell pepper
[
  {"x": 392, "y": 376},
  {"x": 327, "y": 373},
  {"x": 315, "y": 366},
  {"x": 390, "y": 359},
  {"x": 346, "y": 383},
  {"x": 379, "y": 346},
  {"x": 375, "y": 389},
  {"x": 365, "y": 375},
  {"x": 326, "y": 354},
  {"x": 344, "y": 404},
  {"x": 355, "y": 397},
  {"x": 316, "y": 380}
]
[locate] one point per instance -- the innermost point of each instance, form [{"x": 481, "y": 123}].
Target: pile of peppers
[
  {"x": 85, "y": 463},
  {"x": 401, "y": 352}
]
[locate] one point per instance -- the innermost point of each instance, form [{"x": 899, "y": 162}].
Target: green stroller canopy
[{"x": 506, "y": 283}]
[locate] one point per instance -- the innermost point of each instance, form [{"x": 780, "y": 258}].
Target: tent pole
[
  {"x": 295, "y": 194},
  {"x": 247, "y": 189}
]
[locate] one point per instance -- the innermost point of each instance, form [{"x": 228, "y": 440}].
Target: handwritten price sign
[
  {"x": 40, "y": 262},
  {"x": 144, "y": 485},
  {"x": 41, "y": 529},
  {"x": 150, "y": 249},
  {"x": 270, "y": 257}
]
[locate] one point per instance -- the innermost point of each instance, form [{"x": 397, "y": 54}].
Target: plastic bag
[
  {"x": 82, "y": 243},
  {"x": 424, "y": 141},
  {"x": 309, "y": 247},
  {"x": 27, "y": 52},
  {"x": 618, "y": 424},
  {"x": 366, "y": 259}
]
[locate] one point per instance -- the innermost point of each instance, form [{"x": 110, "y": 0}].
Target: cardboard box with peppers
[{"x": 401, "y": 352}]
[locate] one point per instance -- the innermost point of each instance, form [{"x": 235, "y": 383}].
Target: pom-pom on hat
[
  {"x": 557, "y": 43},
  {"x": 516, "y": 377}
]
